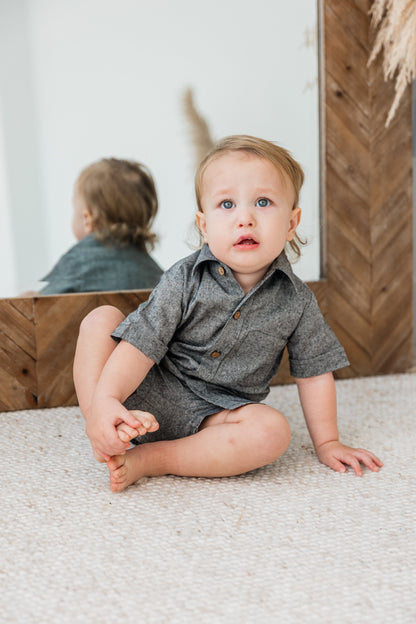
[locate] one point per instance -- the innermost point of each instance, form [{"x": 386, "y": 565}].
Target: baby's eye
[
  {"x": 227, "y": 204},
  {"x": 263, "y": 202}
]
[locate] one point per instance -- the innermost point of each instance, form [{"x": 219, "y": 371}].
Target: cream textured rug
[{"x": 293, "y": 542}]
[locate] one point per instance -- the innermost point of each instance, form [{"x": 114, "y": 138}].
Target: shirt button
[
  {"x": 221, "y": 271},
  {"x": 215, "y": 354},
  {"x": 237, "y": 315}
]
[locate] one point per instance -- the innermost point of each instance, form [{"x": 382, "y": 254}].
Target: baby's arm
[
  {"x": 318, "y": 399},
  {"x": 124, "y": 371}
]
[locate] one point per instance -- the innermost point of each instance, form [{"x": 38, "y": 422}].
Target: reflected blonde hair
[
  {"x": 121, "y": 197},
  {"x": 280, "y": 158}
]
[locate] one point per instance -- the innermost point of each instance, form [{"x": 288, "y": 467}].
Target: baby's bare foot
[
  {"x": 145, "y": 423},
  {"x": 124, "y": 469}
]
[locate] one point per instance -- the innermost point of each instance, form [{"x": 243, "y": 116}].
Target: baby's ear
[
  {"x": 88, "y": 221},
  {"x": 202, "y": 224},
  {"x": 293, "y": 223}
]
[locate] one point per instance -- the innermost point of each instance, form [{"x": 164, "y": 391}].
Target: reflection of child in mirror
[
  {"x": 115, "y": 203},
  {"x": 184, "y": 375}
]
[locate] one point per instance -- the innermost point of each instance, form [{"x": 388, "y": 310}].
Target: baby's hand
[
  {"x": 146, "y": 422},
  {"x": 337, "y": 455}
]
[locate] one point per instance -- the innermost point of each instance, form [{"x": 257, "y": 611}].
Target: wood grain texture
[
  {"x": 366, "y": 295},
  {"x": 368, "y": 192},
  {"x": 57, "y": 321},
  {"x": 18, "y": 386}
]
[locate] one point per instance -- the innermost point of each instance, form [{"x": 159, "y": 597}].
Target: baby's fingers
[
  {"x": 355, "y": 465},
  {"x": 100, "y": 457},
  {"x": 335, "y": 464},
  {"x": 368, "y": 459}
]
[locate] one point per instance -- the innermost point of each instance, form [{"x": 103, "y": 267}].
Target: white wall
[
  {"x": 8, "y": 282},
  {"x": 108, "y": 78},
  {"x": 21, "y": 205}
]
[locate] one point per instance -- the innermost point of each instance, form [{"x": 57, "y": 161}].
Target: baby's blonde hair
[
  {"x": 121, "y": 197},
  {"x": 278, "y": 156}
]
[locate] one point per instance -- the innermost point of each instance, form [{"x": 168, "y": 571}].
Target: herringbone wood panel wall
[{"x": 368, "y": 199}]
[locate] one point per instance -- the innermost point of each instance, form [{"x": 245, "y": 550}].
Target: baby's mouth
[{"x": 245, "y": 241}]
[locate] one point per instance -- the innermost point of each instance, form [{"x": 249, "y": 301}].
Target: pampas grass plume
[
  {"x": 200, "y": 133},
  {"x": 396, "y": 24}
]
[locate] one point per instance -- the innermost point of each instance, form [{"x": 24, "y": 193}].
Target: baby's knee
[
  {"x": 104, "y": 318},
  {"x": 275, "y": 433}
]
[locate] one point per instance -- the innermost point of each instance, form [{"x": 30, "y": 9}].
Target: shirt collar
[{"x": 281, "y": 263}]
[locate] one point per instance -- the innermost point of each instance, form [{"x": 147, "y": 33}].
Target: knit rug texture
[{"x": 293, "y": 542}]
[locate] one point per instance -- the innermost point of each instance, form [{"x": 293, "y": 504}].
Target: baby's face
[
  {"x": 81, "y": 217},
  {"x": 247, "y": 214}
]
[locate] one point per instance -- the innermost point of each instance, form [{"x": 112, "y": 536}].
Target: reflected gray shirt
[
  {"x": 199, "y": 324},
  {"x": 91, "y": 265}
]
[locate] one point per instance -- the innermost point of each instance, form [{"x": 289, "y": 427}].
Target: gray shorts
[{"x": 177, "y": 409}]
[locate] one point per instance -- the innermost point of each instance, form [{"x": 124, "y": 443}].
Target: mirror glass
[{"x": 87, "y": 79}]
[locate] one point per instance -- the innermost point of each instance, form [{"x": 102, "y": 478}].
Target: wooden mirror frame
[{"x": 366, "y": 289}]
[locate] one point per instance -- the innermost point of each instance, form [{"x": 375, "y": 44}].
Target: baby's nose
[{"x": 245, "y": 217}]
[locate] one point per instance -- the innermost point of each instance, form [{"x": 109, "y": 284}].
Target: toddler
[
  {"x": 115, "y": 203},
  {"x": 184, "y": 375}
]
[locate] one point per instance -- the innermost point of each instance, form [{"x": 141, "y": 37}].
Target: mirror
[{"x": 100, "y": 78}]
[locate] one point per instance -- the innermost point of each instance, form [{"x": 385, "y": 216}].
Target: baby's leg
[
  {"x": 228, "y": 443},
  {"x": 94, "y": 347}
]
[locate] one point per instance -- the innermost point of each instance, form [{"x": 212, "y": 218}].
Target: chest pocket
[{"x": 253, "y": 361}]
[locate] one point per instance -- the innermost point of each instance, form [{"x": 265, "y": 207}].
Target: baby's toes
[
  {"x": 126, "y": 433},
  {"x": 118, "y": 474},
  {"x": 154, "y": 425},
  {"x": 148, "y": 421},
  {"x": 115, "y": 462}
]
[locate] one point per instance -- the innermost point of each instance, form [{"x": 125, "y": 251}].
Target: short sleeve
[
  {"x": 313, "y": 347},
  {"x": 152, "y": 326}
]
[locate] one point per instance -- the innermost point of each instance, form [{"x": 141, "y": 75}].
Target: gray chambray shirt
[{"x": 199, "y": 324}]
